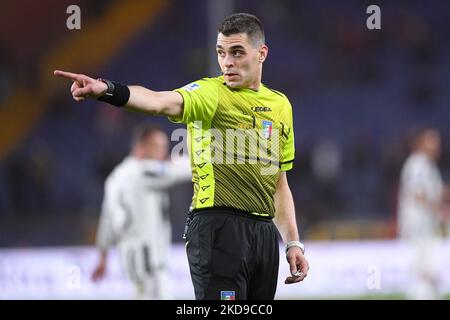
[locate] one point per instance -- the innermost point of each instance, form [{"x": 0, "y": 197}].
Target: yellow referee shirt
[{"x": 239, "y": 140}]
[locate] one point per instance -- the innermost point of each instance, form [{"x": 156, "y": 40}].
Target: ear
[{"x": 263, "y": 52}]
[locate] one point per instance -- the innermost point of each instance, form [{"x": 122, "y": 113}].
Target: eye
[
  {"x": 221, "y": 53},
  {"x": 238, "y": 53}
]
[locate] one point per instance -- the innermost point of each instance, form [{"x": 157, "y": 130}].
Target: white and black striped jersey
[
  {"x": 419, "y": 198},
  {"x": 134, "y": 208}
]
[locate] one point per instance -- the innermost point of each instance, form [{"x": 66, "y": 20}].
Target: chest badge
[{"x": 267, "y": 128}]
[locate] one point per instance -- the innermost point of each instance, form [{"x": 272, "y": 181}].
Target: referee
[{"x": 238, "y": 203}]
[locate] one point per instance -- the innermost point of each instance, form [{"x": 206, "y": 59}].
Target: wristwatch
[
  {"x": 110, "y": 90},
  {"x": 116, "y": 93},
  {"x": 295, "y": 244}
]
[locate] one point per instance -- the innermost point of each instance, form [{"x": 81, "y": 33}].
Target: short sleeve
[
  {"x": 200, "y": 100},
  {"x": 288, "y": 151},
  {"x": 164, "y": 174}
]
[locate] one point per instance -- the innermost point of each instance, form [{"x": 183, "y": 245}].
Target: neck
[
  {"x": 255, "y": 87},
  {"x": 256, "y": 83},
  {"x": 136, "y": 154}
]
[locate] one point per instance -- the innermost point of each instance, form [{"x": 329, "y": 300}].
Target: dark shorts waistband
[{"x": 232, "y": 211}]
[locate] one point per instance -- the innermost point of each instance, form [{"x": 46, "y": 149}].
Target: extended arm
[
  {"x": 166, "y": 103},
  {"x": 104, "y": 241},
  {"x": 104, "y": 238}
]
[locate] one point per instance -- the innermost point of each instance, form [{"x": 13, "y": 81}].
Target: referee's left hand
[{"x": 298, "y": 264}]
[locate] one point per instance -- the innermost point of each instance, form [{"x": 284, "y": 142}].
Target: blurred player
[
  {"x": 420, "y": 212},
  {"x": 133, "y": 213},
  {"x": 237, "y": 207}
]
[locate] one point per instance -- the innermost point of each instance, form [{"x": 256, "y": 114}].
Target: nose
[{"x": 228, "y": 61}]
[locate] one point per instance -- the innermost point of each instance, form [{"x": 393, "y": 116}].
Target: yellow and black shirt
[{"x": 239, "y": 141}]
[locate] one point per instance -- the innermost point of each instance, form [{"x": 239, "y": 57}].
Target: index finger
[{"x": 67, "y": 75}]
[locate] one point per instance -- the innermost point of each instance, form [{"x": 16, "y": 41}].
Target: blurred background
[{"x": 356, "y": 94}]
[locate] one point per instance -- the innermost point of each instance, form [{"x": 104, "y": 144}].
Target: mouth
[{"x": 230, "y": 74}]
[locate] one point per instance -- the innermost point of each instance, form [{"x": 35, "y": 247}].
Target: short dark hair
[
  {"x": 243, "y": 23},
  {"x": 144, "y": 130}
]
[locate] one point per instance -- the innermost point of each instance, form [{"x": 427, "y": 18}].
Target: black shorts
[{"x": 232, "y": 255}]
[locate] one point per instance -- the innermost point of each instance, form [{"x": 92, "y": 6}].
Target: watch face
[
  {"x": 110, "y": 88},
  {"x": 110, "y": 85}
]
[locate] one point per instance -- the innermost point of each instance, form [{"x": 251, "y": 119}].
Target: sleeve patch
[{"x": 191, "y": 87}]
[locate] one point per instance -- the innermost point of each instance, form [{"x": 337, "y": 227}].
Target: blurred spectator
[
  {"x": 420, "y": 212},
  {"x": 326, "y": 163}
]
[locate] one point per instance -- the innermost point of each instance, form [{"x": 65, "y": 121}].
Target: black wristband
[{"x": 117, "y": 94}]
